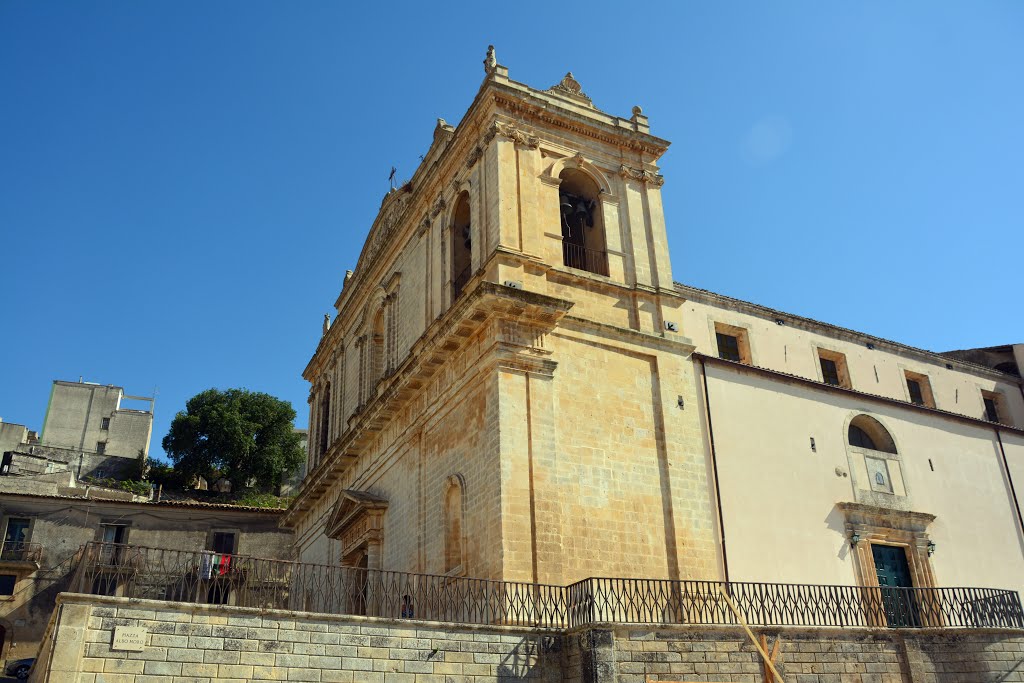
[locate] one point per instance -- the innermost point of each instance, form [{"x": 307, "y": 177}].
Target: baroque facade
[{"x": 514, "y": 387}]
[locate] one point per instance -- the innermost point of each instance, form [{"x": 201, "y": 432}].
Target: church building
[{"x": 514, "y": 387}]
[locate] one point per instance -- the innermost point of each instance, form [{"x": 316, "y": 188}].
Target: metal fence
[
  {"x": 18, "y": 551},
  {"x": 207, "y": 577},
  {"x": 211, "y": 578},
  {"x": 652, "y": 601},
  {"x": 579, "y": 257}
]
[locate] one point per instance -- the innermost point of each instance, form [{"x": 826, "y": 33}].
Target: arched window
[
  {"x": 867, "y": 432},
  {"x": 462, "y": 245},
  {"x": 325, "y": 420},
  {"x": 454, "y": 546},
  {"x": 579, "y": 205},
  {"x": 377, "y": 350}
]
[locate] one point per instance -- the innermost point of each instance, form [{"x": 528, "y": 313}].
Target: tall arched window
[
  {"x": 462, "y": 245},
  {"x": 454, "y": 545},
  {"x": 867, "y": 432},
  {"x": 377, "y": 350},
  {"x": 325, "y": 420},
  {"x": 579, "y": 206}
]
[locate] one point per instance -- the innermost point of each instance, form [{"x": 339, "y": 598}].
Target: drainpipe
[
  {"x": 714, "y": 467},
  {"x": 1009, "y": 479}
]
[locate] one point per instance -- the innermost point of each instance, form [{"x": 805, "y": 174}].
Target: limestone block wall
[
  {"x": 205, "y": 643},
  {"x": 686, "y": 653}
]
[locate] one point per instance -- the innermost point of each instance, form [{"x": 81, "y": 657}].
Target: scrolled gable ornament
[
  {"x": 512, "y": 132},
  {"x": 641, "y": 175}
]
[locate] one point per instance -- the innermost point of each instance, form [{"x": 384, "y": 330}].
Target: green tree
[{"x": 243, "y": 435}]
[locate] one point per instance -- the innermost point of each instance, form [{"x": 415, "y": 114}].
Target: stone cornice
[
  {"x": 524, "y": 313},
  {"x": 800, "y": 322},
  {"x": 821, "y": 386}
]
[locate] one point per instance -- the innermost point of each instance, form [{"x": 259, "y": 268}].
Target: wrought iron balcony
[
  {"x": 206, "y": 577},
  {"x": 18, "y": 551},
  {"x": 581, "y": 258}
]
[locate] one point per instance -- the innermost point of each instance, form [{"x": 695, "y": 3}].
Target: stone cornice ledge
[{"x": 485, "y": 300}]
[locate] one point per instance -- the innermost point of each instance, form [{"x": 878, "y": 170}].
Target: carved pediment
[{"x": 357, "y": 517}]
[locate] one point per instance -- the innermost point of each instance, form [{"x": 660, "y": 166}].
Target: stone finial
[
  {"x": 490, "y": 61},
  {"x": 327, "y": 322},
  {"x": 637, "y": 111},
  {"x": 571, "y": 87},
  {"x": 443, "y": 131}
]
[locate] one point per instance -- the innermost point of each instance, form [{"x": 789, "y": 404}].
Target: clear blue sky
[{"x": 183, "y": 184}]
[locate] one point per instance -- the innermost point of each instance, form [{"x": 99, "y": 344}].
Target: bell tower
[{"x": 507, "y": 377}]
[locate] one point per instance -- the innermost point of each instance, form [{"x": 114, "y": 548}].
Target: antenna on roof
[{"x": 391, "y": 178}]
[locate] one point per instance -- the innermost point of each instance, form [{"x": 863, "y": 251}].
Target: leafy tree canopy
[{"x": 245, "y": 436}]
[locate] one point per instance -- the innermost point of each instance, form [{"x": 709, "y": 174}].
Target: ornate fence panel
[
  {"x": 211, "y": 578},
  {"x": 652, "y": 601}
]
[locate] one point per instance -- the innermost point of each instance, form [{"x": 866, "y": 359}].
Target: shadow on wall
[{"x": 529, "y": 659}]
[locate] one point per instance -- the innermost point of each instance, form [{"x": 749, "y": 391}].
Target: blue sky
[{"x": 183, "y": 184}]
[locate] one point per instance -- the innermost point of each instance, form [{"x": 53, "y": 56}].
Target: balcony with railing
[
  {"x": 210, "y": 578},
  {"x": 581, "y": 258},
  {"x": 20, "y": 555}
]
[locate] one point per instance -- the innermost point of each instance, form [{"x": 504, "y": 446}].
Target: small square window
[
  {"x": 105, "y": 423},
  {"x": 101, "y": 447},
  {"x": 7, "y": 583},
  {"x": 994, "y": 411},
  {"x": 733, "y": 343},
  {"x": 833, "y": 368},
  {"x": 728, "y": 347},
  {"x": 223, "y": 542},
  {"x": 919, "y": 389}
]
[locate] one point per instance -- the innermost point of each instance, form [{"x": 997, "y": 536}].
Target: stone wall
[
  {"x": 206, "y": 643},
  {"x": 688, "y": 653},
  {"x": 187, "y": 643}
]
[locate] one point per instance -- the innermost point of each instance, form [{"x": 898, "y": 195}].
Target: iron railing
[
  {"x": 579, "y": 257},
  {"x": 206, "y": 577},
  {"x": 210, "y": 578},
  {"x": 460, "y": 281},
  {"x": 651, "y": 601},
  {"x": 18, "y": 551}
]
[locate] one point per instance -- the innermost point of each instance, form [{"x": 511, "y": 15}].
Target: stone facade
[
  {"x": 514, "y": 374},
  {"x": 207, "y": 643},
  {"x": 525, "y": 385}
]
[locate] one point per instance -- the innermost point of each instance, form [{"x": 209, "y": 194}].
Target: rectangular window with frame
[
  {"x": 223, "y": 542},
  {"x": 17, "y": 531},
  {"x": 834, "y": 370},
  {"x": 919, "y": 389},
  {"x": 105, "y": 423},
  {"x": 114, "y": 533},
  {"x": 733, "y": 343},
  {"x": 7, "y": 584},
  {"x": 101, "y": 447},
  {"x": 994, "y": 411}
]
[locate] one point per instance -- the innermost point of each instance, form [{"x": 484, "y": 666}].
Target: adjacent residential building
[
  {"x": 43, "y": 534},
  {"x": 89, "y": 428}
]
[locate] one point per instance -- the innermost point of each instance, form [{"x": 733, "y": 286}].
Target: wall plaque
[{"x": 130, "y": 638}]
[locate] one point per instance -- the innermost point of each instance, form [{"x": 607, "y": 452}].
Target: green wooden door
[{"x": 893, "y": 571}]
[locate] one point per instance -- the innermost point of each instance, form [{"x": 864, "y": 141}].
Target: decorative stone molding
[
  {"x": 642, "y": 175},
  {"x": 358, "y": 522},
  {"x": 474, "y": 156},
  {"x": 570, "y": 87},
  {"x": 900, "y": 528},
  {"x": 438, "y": 207},
  {"x": 513, "y": 133}
]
